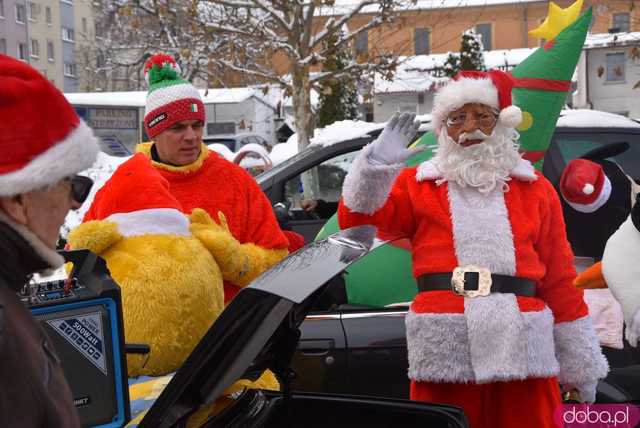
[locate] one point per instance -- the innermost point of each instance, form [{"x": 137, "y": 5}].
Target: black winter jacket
[{"x": 33, "y": 389}]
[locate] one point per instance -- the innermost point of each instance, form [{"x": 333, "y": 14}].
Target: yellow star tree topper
[{"x": 557, "y": 20}]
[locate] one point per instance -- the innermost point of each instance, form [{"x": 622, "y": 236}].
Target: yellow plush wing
[{"x": 96, "y": 236}]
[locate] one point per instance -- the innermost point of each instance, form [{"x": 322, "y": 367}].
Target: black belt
[{"x": 499, "y": 283}]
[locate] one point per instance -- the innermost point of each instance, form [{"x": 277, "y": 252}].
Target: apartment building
[
  {"x": 430, "y": 27},
  {"x": 13, "y": 29},
  {"x": 43, "y": 33}
]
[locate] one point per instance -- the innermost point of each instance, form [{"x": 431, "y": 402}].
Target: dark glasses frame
[{"x": 80, "y": 187}]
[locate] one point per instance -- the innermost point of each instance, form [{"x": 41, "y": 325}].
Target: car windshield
[{"x": 574, "y": 145}]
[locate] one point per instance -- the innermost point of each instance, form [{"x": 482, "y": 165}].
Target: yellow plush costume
[{"x": 171, "y": 284}]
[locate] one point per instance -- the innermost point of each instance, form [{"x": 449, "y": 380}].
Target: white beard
[{"x": 482, "y": 166}]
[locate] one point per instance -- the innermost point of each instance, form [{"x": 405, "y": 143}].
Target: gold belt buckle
[{"x": 484, "y": 281}]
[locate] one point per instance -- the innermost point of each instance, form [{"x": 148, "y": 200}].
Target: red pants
[{"x": 524, "y": 404}]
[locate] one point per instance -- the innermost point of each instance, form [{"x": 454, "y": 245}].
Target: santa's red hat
[
  {"x": 137, "y": 198},
  {"x": 42, "y": 139},
  {"x": 492, "y": 88},
  {"x": 584, "y": 185}
]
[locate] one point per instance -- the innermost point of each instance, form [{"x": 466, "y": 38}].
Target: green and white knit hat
[{"x": 171, "y": 98}]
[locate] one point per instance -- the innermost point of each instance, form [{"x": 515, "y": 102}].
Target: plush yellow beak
[{"x": 591, "y": 278}]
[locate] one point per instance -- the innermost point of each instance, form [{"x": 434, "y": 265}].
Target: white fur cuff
[
  {"x": 578, "y": 352},
  {"x": 367, "y": 186}
]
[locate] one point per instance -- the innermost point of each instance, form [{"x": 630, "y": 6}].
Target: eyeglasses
[
  {"x": 80, "y": 187},
  {"x": 483, "y": 120}
]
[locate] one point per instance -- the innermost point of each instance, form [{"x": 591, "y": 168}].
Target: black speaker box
[{"x": 83, "y": 318}]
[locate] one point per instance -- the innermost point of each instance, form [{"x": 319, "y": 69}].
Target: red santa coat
[{"x": 520, "y": 233}]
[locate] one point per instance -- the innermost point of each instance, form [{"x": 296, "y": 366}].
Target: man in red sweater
[
  {"x": 250, "y": 240},
  {"x": 497, "y": 323}
]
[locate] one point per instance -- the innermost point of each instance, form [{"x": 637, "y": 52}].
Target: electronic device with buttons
[{"x": 82, "y": 315}]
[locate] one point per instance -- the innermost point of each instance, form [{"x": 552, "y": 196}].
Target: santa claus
[{"x": 497, "y": 323}]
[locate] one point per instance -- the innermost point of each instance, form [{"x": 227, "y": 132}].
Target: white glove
[
  {"x": 587, "y": 390},
  {"x": 391, "y": 146},
  {"x": 633, "y": 330}
]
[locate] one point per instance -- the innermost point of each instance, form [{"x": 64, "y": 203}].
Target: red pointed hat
[
  {"x": 492, "y": 88},
  {"x": 584, "y": 185},
  {"x": 42, "y": 139},
  {"x": 135, "y": 186},
  {"x": 138, "y": 199}
]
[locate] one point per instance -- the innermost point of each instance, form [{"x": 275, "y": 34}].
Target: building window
[
  {"x": 69, "y": 69},
  {"x": 3, "y": 46},
  {"x": 362, "y": 42},
  {"x": 616, "y": 64},
  {"x": 35, "y": 48},
  {"x": 84, "y": 25},
  {"x": 67, "y": 35},
  {"x": 485, "y": 31},
  {"x": 421, "y": 41},
  {"x": 621, "y": 22},
  {"x": 20, "y": 14},
  {"x": 34, "y": 10},
  {"x": 22, "y": 51},
  {"x": 47, "y": 14},
  {"x": 50, "y": 53},
  {"x": 1, "y": 8}
]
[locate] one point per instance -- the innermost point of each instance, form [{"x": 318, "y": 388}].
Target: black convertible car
[
  {"x": 259, "y": 330},
  {"x": 356, "y": 349}
]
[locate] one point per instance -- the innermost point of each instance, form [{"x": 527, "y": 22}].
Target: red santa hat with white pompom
[
  {"x": 492, "y": 88},
  {"x": 584, "y": 185}
]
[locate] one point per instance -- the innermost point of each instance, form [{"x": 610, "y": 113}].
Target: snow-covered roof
[
  {"x": 139, "y": 98},
  {"x": 594, "y": 119},
  {"x": 341, "y": 7},
  {"x": 600, "y": 40},
  {"x": 415, "y": 74}
]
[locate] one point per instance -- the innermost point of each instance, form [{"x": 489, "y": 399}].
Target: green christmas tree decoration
[
  {"x": 542, "y": 82},
  {"x": 470, "y": 56},
  {"x": 338, "y": 97}
]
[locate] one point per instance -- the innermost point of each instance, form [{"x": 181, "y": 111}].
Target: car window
[
  {"x": 327, "y": 179},
  {"x": 572, "y": 146}
]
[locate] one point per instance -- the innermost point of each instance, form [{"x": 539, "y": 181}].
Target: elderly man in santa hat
[{"x": 497, "y": 323}]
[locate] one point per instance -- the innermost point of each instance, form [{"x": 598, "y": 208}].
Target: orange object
[{"x": 591, "y": 278}]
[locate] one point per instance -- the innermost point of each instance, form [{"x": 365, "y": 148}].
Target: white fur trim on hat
[
  {"x": 75, "y": 153},
  {"x": 602, "y": 198},
  {"x": 154, "y": 221},
  {"x": 460, "y": 92}
]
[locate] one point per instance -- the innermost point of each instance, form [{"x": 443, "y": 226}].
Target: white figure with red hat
[{"x": 497, "y": 318}]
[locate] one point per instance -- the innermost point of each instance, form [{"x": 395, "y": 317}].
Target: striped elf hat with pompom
[{"x": 171, "y": 98}]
